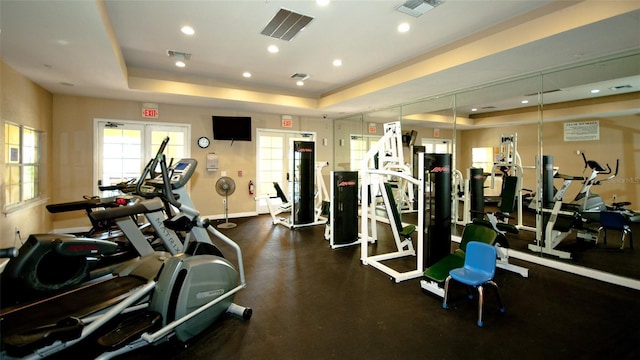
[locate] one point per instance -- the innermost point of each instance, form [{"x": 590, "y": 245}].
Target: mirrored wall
[{"x": 581, "y": 123}]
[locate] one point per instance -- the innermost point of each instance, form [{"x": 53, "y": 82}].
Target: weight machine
[
  {"x": 389, "y": 165},
  {"x": 342, "y": 228},
  {"x": 306, "y": 207}
]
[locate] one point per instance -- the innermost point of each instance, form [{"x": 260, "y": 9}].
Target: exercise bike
[{"x": 149, "y": 301}]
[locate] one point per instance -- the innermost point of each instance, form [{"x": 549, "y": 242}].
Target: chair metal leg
[
  {"x": 495, "y": 287},
  {"x": 598, "y": 236},
  {"x": 480, "y": 304},
  {"x": 446, "y": 292},
  {"x": 626, "y": 232}
]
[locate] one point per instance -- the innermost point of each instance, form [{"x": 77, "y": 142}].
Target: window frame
[
  {"x": 25, "y": 150},
  {"x": 148, "y": 147}
]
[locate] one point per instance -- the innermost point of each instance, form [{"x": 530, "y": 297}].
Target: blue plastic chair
[
  {"x": 478, "y": 270},
  {"x": 615, "y": 220}
]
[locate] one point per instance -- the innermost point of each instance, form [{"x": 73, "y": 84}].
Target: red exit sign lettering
[{"x": 150, "y": 113}]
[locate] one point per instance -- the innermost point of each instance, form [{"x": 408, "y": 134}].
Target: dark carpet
[{"x": 314, "y": 302}]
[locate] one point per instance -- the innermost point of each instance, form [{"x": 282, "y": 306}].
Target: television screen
[{"x": 234, "y": 128}]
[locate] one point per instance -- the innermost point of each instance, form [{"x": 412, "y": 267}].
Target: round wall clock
[{"x": 203, "y": 142}]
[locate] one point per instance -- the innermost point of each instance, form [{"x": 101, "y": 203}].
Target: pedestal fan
[{"x": 225, "y": 186}]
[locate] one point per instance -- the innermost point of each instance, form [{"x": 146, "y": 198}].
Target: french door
[{"x": 274, "y": 163}]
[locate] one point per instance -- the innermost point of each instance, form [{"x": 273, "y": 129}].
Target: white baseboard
[{"x": 231, "y": 216}]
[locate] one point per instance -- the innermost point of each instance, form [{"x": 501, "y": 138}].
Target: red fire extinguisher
[{"x": 251, "y": 187}]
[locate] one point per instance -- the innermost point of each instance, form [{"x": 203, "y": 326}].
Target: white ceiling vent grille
[
  {"x": 418, "y": 7},
  {"x": 286, "y": 24},
  {"x": 300, "y": 76},
  {"x": 178, "y": 55}
]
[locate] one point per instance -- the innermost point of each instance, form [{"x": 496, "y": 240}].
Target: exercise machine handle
[{"x": 10, "y": 252}]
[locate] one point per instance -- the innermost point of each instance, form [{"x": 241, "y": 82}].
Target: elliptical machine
[
  {"x": 150, "y": 301},
  {"x": 588, "y": 204}
]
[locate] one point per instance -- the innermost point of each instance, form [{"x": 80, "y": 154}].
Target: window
[
  {"x": 359, "y": 146},
  {"x": 436, "y": 146},
  {"x": 125, "y": 147},
  {"x": 274, "y": 155},
  {"x": 482, "y": 157},
  {"x": 23, "y": 154}
]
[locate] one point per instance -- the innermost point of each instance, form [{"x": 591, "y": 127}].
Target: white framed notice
[{"x": 582, "y": 131}]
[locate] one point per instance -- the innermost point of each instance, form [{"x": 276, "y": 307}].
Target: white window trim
[{"x": 149, "y": 152}]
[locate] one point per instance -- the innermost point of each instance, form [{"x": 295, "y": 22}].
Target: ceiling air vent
[
  {"x": 178, "y": 55},
  {"x": 417, "y": 8},
  {"x": 544, "y": 92},
  {"x": 300, "y": 76},
  {"x": 621, "y": 87},
  {"x": 286, "y": 24}
]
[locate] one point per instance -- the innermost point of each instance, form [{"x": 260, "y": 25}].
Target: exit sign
[
  {"x": 150, "y": 110},
  {"x": 150, "y": 113},
  {"x": 287, "y": 121}
]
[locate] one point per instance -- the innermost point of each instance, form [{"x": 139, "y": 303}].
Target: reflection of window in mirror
[
  {"x": 482, "y": 157},
  {"x": 359, "y": 145},
  {"x": 436, "y": 146}
]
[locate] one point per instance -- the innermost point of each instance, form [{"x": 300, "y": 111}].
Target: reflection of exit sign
[
  {"x": 150, "y": 113},
  {"x": 287, "y": 121}
]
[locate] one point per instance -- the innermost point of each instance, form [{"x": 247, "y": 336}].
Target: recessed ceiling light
[
  {"x": 404, "y": 27},
  {"x": 323, "y": 2},
  {"x": 246, "y": 74},
  {"x": 180, "y": 64},
  {"x": 187, "y": 30},
  {"x": 300, "y": 83},
  {"x": 474, "y": 109},
  {"x": 595, "y": 91},
  {"x": 524, "y": 101},
  {"x": 337, "y": 62},
  {"x": 273, "y": 49}
]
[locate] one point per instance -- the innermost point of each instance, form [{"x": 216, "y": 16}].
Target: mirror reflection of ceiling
[{"x": 101, "y": 49}]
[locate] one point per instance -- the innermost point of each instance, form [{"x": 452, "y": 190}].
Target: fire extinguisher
[{"x": 251, "y": 187}]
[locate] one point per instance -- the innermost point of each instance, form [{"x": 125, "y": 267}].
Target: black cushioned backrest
[
  {"x": 394, "y": 206},
  {"x": 508, "y": 197}
]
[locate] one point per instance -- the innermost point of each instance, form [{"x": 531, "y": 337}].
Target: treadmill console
[{"x": 180, "y": 174}]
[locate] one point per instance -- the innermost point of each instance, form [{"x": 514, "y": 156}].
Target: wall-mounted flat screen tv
[{"x": 234, "y": 128}]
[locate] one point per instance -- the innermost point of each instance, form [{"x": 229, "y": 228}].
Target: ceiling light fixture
[
  {"x": 246, "y": 74},
  {"x": 180, "y": 63},
  {"x": 337, "y": 62},
  {"x": 595, "y": 91},
  {"x": 273, "y": 49},
  {"x": 187, "y": 30},
  {"x": 524, "y": 101},
  {"x": 323, "y": 2},
  {"x": 404, "y": 27},
  {"x": 300, "y": 83}
]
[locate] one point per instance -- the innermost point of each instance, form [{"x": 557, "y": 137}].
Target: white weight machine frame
[
  {"x": 389, "y": 150},
  {"x": 320, "y": 196}
]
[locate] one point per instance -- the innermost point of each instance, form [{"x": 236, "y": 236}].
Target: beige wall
[
  {"x": 24, "y": 103},
  {"x": 73, "y": 136}
]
